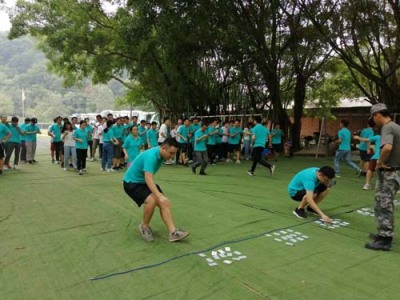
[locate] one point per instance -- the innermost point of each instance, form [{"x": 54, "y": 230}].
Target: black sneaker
[
  {"x": 310, "y": 210},
  {"x": 373, "y": 236},
  {"x": 382, "y": 243},
  {"x": 300, "y": 213},
  {"x": 202, "y": 173},
  {"x": 193, "y": 169}
]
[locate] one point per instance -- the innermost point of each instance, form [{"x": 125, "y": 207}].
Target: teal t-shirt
[
  {"x": 118, "y": 131},
  {"x": 31, "y": 128},
  {"x": 377, "y": 140},
  {"x": 142, "y": 130},
  {"x": 365, "y": 133},
  {"x": 200, "y": 145},
  {"x": 132, "y": 147},
  {"x": 219, "y": 136},
  {"x": 22, "y": 127},
  {"x": 276, "y": 136},
  {"x": 183, "y": 130},
  {"x": 304, "y": 180},
  {"x": 4, "y": 131},
  {"x": 212, "y": 135},
  {"x": 261, "y": 134},
  {"x": 89, "y": 129},
  {"x": 237, "y": 131},
  {"x": 108, "y": 136},
  {"x": 152, "y": 137},
  {"x": 56, "y": 130},
  {"x": 15, "y": 135},
  {"x": 345, "y": 135},
  {"x": 80, "y": 134},
  {"x": 192, "y": 129},
  {"x": 148, "y": 161}
]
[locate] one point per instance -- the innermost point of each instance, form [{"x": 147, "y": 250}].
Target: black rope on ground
[{"x": 235, "y": 241}]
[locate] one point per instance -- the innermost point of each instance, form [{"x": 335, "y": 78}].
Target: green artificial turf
[{"x": 58, "y": 230}]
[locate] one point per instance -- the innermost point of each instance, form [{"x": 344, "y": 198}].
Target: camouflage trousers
[{"x": 386, "y": 189}]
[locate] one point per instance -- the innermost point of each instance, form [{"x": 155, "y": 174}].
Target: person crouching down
[
  {"x": 309, "y": 187},
  {"x": 140, "y": 186}
]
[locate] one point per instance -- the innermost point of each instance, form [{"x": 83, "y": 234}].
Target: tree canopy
[{"x": 222, "y": 57}]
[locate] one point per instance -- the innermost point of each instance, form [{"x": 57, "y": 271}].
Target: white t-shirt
[
  {"x": 100, "y": 130},
  {"x": 95, "y": 131},
  {"x": 69, "y": 140},
  {"x": 225, "y": 130},
  {"x": 163, "y": 129}
]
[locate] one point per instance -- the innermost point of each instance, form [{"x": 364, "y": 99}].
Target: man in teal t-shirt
[
  {"x": 200, "y": 149},
  {"x": 343, "y": 152},
  {"x": 152, "y": 136},
  {"x": 23, "y": 140},
  {"x": 13, "y": 144},
  {"x": 5, "y": 134},
  {"x": 235, "y": 134},
  {"x": 213, "y": 132},
  {"x": 365, "y": 156},
  {"x": 183, "y": 139},
  {"x": 309, "y": 187},
  {"x": 31, "y": 132},
  {"x": 139, "y": 184},
  {"x": 81, "y": 145},
  {"x": 260, "y": 136},
  {"x": 376, "y": 141},
  {"x": 55, "y": 133},
  {"x": 142, "y": 131},
  {"x": 277, "y": 135}
]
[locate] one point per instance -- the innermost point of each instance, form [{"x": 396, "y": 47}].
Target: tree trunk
[{"x": 299, "y": 99}]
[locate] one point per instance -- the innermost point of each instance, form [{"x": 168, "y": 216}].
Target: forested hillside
[{"x": 22, "y": 66}]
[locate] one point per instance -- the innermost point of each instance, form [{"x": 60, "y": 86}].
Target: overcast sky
[{"x": 4, "y": 21}]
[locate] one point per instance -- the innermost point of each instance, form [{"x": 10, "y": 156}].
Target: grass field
[{"x": 58, "y": 230}]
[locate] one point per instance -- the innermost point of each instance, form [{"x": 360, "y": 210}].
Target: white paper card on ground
[
  {"x": 220, "y": 255},
  {"x": 290, "y": 238}
]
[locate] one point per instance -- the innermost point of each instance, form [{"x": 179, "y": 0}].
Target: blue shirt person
[
  {"x": 152, "y": 138},
  {"x": 343, "y": 152},
  {"x": 140, "y": 186},
  {"x": 309, "y": 187},
  {"x": 132, "y": 145}
]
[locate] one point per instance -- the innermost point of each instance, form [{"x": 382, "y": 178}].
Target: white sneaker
[
  {"x": 272, "y": 170},
  {"x": 110, "y": 170},
  {"x": 238, "y": 161},
  {"x": 228, "y": 160},
  {"x": 92, "y": 159},
  {"x": 15, "y": 167},
  {"x": 65, "y": 169},
  {"x": 102, "y": 170},
  {"x": 366, "y": 187},
  {"x": 5, "y": 167}
]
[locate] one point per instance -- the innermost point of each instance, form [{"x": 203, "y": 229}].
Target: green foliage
[{"x": 24, "y": 66}]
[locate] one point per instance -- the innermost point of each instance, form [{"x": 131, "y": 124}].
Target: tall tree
[{"x": 366, "y": 36}]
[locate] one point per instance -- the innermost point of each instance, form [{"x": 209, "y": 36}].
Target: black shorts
[
  {"x": 138, "y": 191},
  {"x": 364, "y": 155},
  {"x": 318, "y": 190},
  {"x": 233, "y": 147},
  {"x": 277, "y": 148},
  {"x": 1, "y": 150},
  {"x": 118, "y": 150},
  {"x": 183, "y": 147}
]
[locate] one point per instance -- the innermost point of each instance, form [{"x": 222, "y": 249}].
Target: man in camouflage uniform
[{"x": 388, "y": 170}]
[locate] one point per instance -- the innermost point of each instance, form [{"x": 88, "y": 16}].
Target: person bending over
[{"x": 309, "y": 187}]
